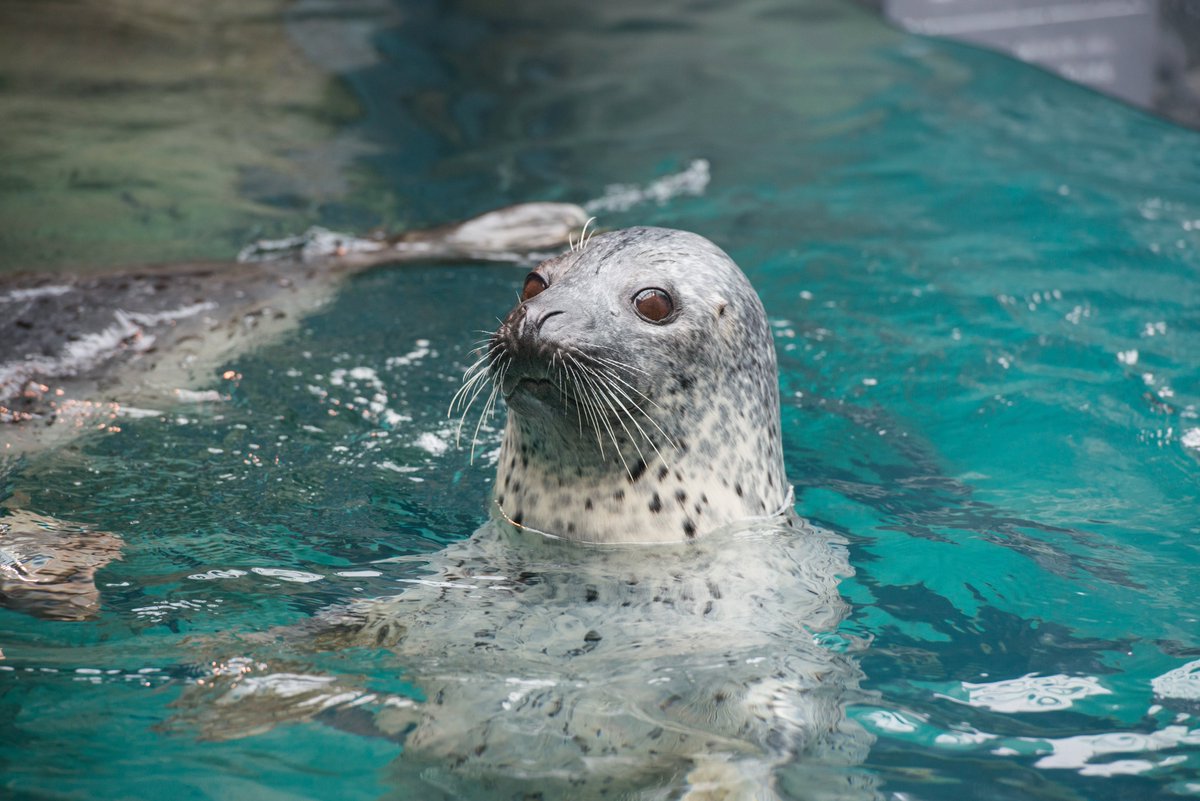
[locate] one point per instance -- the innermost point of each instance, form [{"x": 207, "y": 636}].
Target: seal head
[{"x": 643, "y": 404}]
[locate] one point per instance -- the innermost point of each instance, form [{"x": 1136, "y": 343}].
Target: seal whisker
[
  {"x": 471, "y": 376},
  {"x": 480, "y": 384},
  {"x": 597, "y": 399},
  {"x": 489, "y": 407},
  {"x": 607, "y": 399},
  {"x": 584, "y": 236},
  {"x": 587, "y": 404},
  {"x": 470, "y": 382},
  {"x": 583, "y": 405},
  {"x": 565, "y": 383},
  {"x": 608, "y": 372},
  {"x": 586, "y": 346},
  {"x": 618, "y": 364},
  {"x": 466, "y": 409},
  {"x": 612, "y": 390}
]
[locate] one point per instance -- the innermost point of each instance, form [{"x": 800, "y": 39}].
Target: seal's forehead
[{"x": 644, "y": 249}]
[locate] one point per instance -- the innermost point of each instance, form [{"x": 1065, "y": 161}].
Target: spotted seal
[{"x": 643, "y": 405}]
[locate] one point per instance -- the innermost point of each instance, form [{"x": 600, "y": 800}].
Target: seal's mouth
[{"x": 540, "y": 388}]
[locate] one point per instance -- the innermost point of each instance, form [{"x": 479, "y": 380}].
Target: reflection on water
[{"x": 142, "y": 131}]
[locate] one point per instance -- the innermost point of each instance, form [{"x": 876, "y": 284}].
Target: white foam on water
[
  {"x": 432, "y": 443},
  {"x": 387, "y": 464},
  {"x": 297, "y": 576},
  {"x": 414, "y": 356},
  {"x": 214, "y": 575},
  {"x": 621, "y": 197}
]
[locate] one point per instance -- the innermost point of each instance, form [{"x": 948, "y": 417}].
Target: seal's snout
[{"x": 524, "y": 354}]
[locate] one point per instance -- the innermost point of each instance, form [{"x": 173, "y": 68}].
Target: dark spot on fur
[
  {"x": 587, "y": 504},
  {"x": 689, "y": 529},
  {"x": 681, "y": 496},
  {"x": 638, "y": 470},
  {"x": 619, "y": 495},
  {"x": 663, "y": 472},
  {"x": 518, "y": 517},
  {"x": 738, "y": 489},
  {"x": 656, "y": 504}
]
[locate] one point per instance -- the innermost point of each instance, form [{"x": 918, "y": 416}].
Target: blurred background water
[{"x": 983, "y": 280}]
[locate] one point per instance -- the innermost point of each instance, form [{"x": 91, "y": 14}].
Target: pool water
[{"x": 984, "y": 284}]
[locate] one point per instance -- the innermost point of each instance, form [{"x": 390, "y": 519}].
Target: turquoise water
[{"x": 985, "y": 287}]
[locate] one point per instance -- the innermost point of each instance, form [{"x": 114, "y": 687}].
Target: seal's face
[{"x": 640, "y": 379}]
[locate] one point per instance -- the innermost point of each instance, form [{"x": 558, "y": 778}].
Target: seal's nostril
[
  {"x": 541, "y": 321},
  {"x": 531, "y": 322}
]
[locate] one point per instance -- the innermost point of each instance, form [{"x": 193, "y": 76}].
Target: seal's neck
[{"x": 704, "y": 473}]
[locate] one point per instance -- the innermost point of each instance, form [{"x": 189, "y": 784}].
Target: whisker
[
  {"x": 599, "y": 420},
  {"x": 615, "y": 389},
  {"x": 587, "y": 406},
  {"x": 607, "y": 400}
]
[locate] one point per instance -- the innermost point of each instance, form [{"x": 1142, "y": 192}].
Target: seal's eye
[
  {"x": 534, "y": 284},
  {"x": 654, "y": 305}
]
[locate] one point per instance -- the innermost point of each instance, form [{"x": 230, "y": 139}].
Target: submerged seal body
[{"x": 643, "y": 405}]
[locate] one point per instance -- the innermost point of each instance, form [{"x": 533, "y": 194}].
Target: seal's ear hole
[
  {"x": 721, "y": 309},
  {"x": 534, "y": 284},
  {"x": 654, "y": 305}
]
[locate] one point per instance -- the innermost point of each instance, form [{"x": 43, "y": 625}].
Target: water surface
[{"x": 985, "y": 289}]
